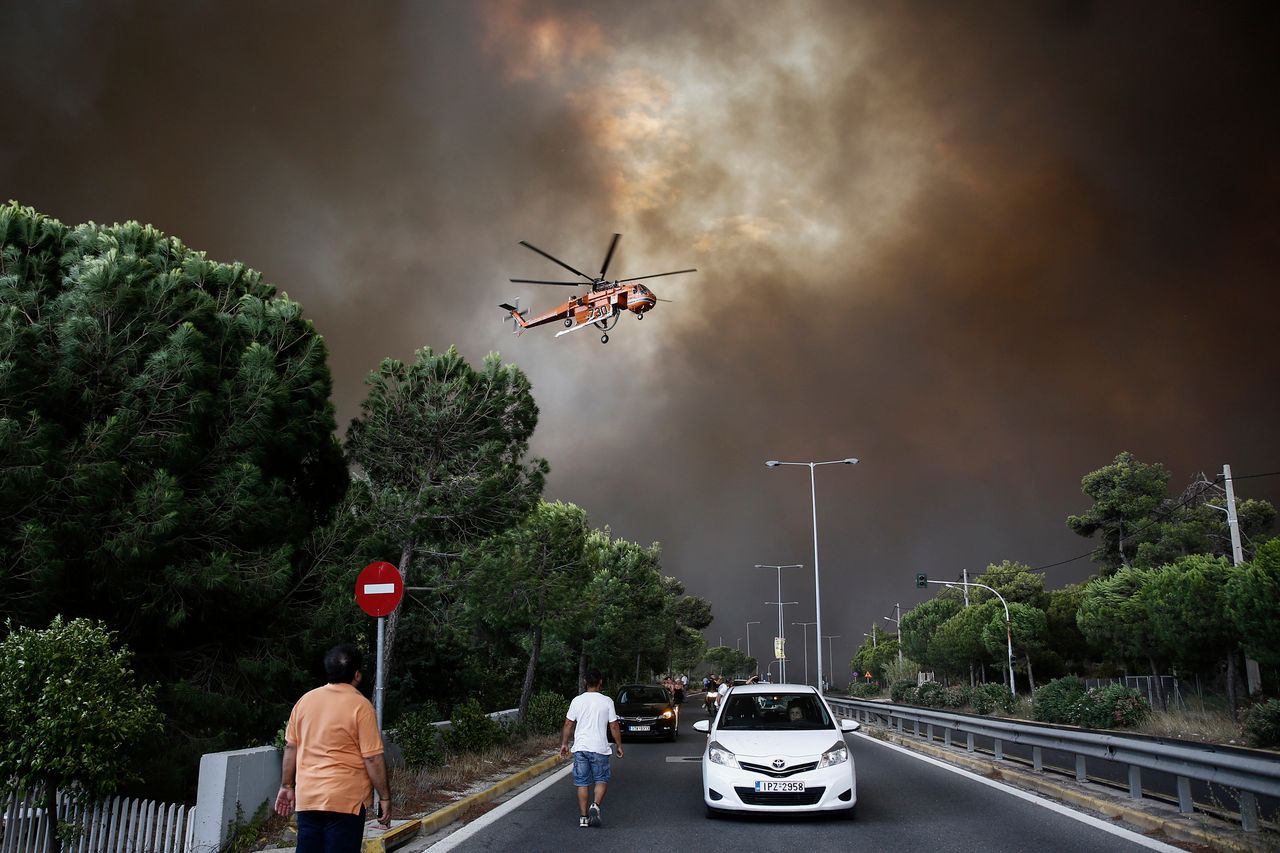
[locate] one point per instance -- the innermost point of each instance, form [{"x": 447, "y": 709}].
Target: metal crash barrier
[{"x": 1249, "y": 773}]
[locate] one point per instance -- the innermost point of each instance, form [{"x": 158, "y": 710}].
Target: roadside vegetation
[{"x": 1166, "y": 599}]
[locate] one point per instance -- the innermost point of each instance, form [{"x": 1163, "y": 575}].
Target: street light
[
  {"x": 805, "y": 625},
  {"x": 782, "y": 668},
  {"x": 1008, "y": 625},
  {"x": 813, "y": 494},
  {"x": 749, "y": 624},
  {"x": 872, "y": 635},
  {"x": 829, "y": 638},
  {"x": 897, "y": 609}
]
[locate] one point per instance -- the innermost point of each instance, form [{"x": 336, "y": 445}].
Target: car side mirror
[
  {"x": 846, "y": 725},
  {"x": 702, "y": 726}
]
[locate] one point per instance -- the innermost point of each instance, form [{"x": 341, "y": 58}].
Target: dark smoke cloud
[{"x": 984, "y": 248}]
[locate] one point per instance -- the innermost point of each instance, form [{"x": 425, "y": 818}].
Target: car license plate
[
  {"x": 639, "y": 728},
  {"x": 780, "y": 787}
]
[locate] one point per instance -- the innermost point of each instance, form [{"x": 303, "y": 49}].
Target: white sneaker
[
  {"x": 582, "y": 823},
  {"x": 593, "y": 813}
]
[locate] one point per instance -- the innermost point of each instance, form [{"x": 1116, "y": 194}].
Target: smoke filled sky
[{"x": 982, "y": 247}]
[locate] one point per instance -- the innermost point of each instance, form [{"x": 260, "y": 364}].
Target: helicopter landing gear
[
  {"x": 604, "y": 339},
  {"x": 568, "y": 321}
]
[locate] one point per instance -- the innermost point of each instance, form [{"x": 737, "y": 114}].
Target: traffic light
[{"x": 922, "y": 580}]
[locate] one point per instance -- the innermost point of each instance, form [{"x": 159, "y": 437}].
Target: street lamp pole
[
  {"x": 1008, "y": 624},
  {"x": 749, "y": 624},
  {"x": 782, "y": 667},
  {"x": 830, "y": 657},
  {"x": 813, "y": 494},
  {"x": 805, "y": 625}
]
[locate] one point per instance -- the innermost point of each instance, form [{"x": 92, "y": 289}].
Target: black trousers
[{"x": 330, "y": 832}]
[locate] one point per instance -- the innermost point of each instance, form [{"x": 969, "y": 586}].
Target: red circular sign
[{"x": 379, "y": 588}]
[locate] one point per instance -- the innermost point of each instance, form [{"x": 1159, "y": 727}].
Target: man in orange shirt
[{"x": 333, "y": 754}]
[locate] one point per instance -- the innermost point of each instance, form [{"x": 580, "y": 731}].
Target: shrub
[
  {"x": 864, "y": 689},
  {"x": 986, "y": 698},
  {"x": 1113, "y": 706},
  {"x": 903, "y": 692},
  {"x": 903, "y": 670},
  {"x": 931, "y": 694},
  {"x": 471, "y": 730},
  {"x": 955, "y": 697},
  {"x": 419, "y": 740},
  {"x": 1056, "y": 701},
  {"x": 1262, "y": 723},
  {"x": 546, "y": 713}
]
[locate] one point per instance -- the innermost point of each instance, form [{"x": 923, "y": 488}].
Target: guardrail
[{"x": 1252, "y": 775}]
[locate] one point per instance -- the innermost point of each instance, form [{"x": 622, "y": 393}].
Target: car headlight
[
  {"x": 668, "y": 714},
  {"x": 719, "y": 755},
  {"x": 837, "y": 754}
]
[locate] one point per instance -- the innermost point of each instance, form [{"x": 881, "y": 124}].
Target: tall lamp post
[
  {"x": 1008, "y": 624},
  {"x": 782, "y": 667},
  {"x": 749, "y": 624},
  {"x": 805, "y": 625},
  {"x": 813, "y": 494},
  {"x": 897, "y": 611},
  {"x": 829, "y": 638}
]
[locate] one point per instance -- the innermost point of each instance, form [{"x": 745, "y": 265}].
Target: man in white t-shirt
[{"x": 590, "y": 716}]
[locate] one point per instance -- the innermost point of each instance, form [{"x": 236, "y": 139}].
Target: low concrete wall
[
  {"x": 251, "y": 777},
  {"x": 247, "y": 777}
]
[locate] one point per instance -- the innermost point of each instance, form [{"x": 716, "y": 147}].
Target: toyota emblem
[{"x": 778, "y": 764}]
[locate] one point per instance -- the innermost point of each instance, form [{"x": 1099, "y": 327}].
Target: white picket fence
[{"x": 117, "y": 825}]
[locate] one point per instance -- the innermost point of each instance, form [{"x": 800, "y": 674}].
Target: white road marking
[
  {"x": 379, "y": 588},
  {"x": 1126, "y": 834},
  {"x": 454, "y": 839}
]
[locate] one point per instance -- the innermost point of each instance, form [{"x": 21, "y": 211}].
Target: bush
[
  {"x": 1262, "y": 723},
  {"x": 903, "y": 692},
  {"x": 471, "y": 730},
  {"x": 419, "y": 740},
  {"x": 546, "y": 713},
  {"x": 1113, "y": 706},
  {"x": 955, "y": 697},
  {"x": 1056, "y": 702},
  {"x": 986, "y": 698},
  {"x": 864, "y": 689},
  {"x": 931, "y": 694}
]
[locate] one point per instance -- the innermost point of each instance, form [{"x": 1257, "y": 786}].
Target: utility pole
[{"x": 1252, "y": 674}]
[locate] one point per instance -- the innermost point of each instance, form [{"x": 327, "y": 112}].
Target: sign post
[{"x": 379, "y": 590}]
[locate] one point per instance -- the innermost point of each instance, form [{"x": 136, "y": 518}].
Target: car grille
[
  {"x": 638, "y": 719},
  {"x": 778, "y": 774},
  {"x": 807, "y": 797}
]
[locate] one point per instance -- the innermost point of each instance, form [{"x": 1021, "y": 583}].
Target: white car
[{"x": 777, "y": 748}]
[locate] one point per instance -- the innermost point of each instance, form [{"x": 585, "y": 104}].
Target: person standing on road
[
  {"x": 590, "y": 716},
  {"x": 332, "y": 759}
]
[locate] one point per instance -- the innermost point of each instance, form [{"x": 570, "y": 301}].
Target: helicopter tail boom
[{"x": 515, "y": 315}]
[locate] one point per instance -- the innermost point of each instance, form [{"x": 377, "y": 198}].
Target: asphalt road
[{"x": 654, "y": 802}]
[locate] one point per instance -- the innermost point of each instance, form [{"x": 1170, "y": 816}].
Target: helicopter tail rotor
[{"x": 515, "y": 315}]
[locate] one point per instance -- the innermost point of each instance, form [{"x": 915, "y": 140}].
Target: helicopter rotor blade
[
  {"x": 556, "y": 260},
  {"x": 608, "y": 256},
  {"x": 655, "y": 275},
  {"x": 538, "y": 281}
]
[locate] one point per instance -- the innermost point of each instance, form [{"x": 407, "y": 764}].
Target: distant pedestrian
[
  {"x": 591, "y": 717},
  {"x": 333, "y": 755}
]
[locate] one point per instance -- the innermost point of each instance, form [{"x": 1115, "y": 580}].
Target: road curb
[
  {"x": 1089, "y": 796},
  {"x": 443, "y": 817}
]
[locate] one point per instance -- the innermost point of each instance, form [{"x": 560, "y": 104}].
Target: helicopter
[{"x": 602, "y": 306}]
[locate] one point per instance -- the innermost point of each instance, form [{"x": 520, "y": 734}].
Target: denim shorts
[{"x": 590, "y": 768}]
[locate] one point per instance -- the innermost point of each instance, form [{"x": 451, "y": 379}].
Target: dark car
[{"x": 646, "y": 710}]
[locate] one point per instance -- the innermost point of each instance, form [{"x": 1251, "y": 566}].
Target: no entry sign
[{"x": 379, "y": 588}]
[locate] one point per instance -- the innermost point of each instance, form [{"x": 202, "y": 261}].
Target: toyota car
[{"x": 777, "y": 748}]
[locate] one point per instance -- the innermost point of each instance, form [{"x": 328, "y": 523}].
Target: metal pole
[
  {"x": 749, "y": 624},
  {"x": 377, "y": 678},
  {"x": 1008, "y": 624},
  {"x": 830, "y": 657},
  {"x": 805, "y": 626},
  {"x": 817, "y": 592}
]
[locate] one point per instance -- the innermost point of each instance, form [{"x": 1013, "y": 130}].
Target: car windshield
[
  {"x": 774, "y": 712},
  {"x": 633, "y": 695}
]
